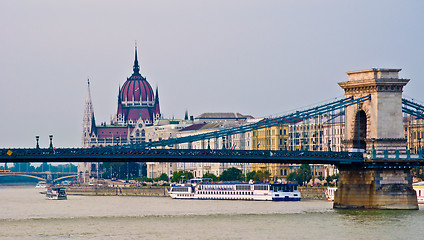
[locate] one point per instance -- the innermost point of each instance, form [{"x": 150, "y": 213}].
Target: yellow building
[{"x": 271, "y": 138}]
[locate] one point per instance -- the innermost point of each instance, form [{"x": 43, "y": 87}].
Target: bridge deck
[
  {"x": 132, "y": 154},
  {"x": 176, "y": 155}
]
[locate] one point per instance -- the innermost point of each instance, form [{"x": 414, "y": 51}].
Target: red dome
[
  {"x": 136, "y": 98},
  {"x": 136, "y": 89}
]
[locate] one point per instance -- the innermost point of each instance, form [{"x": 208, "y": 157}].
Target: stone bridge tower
[{"x": 378, "y": 121}]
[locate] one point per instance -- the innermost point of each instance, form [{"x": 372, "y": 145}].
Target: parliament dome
[{"x": 136, "y": 89}]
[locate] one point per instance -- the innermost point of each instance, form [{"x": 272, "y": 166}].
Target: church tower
[
  {"x": 88, "y": 128},
  {"x": 88, "y": 122}
]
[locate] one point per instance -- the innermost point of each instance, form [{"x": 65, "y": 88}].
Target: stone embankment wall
[
  {"x": 118, "y": 191},
  {"x": 317, "y": 193}
]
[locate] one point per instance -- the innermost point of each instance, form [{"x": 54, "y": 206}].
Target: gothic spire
[
  {"x": 88, "y": 123},
  {"x": 136, "y": 67}
]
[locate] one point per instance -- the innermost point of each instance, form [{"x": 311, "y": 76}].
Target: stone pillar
[
  {"x": 375, "y": 122},
  {"x": 383, "y": 113},
  {"x": 375, "y": 189}
]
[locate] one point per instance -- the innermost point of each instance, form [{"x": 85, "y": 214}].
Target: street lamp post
[
  {"x": 329, "y": 145},
  {"x": 51, "y": 141},
  {"x": 37, "y": 138},
  {"x": 373, "y": 148}
]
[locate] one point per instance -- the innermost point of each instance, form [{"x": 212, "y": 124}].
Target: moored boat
[
  {"x": 419, "y": 189},
  {"x": 236, "y": 191},
  {"x": 41, "y": 184},
  {"x": 329, "y": 193},
  {"x": 42, "y": 187},
  {"x": 56, "y": 193}
]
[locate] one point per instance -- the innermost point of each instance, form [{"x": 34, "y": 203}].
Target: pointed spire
[
  {"x": 119, "y": 94},
  {"x": 186, "y": 115},
  {"x": 157, "y": 95},
  {"x": 89, "y": 123},
  {"x": 136, "y": 67}
]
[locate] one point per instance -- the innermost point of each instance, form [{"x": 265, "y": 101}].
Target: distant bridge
[{"x": 42, "y": 176}]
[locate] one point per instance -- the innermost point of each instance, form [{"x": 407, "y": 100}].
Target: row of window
[{"x": 225, "y": 193}]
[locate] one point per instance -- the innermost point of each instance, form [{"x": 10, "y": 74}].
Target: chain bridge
[{"x": 374, "y": 164}]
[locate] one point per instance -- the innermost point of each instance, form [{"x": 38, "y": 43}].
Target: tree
[
  {"x": 329, "y": 179},
  {"x": 211, "y": 176},
  {"x": 231, "y": 174},
  {"x": 292, "y": 177},
  {"x": 250, "y": 175},
  {"x": 177, "y": 176},
  {"x": 163, "y": 177},
  {"x": 302, "y": 175}
]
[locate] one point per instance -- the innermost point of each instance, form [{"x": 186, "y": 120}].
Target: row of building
[{"x": 138, "y": 119}]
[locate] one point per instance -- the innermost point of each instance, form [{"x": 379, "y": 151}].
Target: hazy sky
[{"x": 252, "y": 57}]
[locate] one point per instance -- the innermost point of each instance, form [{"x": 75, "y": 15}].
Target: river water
[{"x": 26, "y": 214}]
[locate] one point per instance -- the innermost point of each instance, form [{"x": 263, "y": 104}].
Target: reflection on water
[{"x": 26, "y": 215}]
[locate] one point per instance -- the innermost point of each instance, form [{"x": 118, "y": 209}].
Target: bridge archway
[
  {"x": 360, "y": 130},
  {"x": 65, "y": 177}
]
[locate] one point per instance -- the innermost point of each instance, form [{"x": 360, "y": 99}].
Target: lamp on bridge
[
  {"x": 373, "y": 148},
  {"x": 420, "y": 150},
  {"x": 37, "y": 138},
  {"x": 131, "y": 139},
  {"x": 51, "y": 141},
  {"x": 329, "y": 145}
]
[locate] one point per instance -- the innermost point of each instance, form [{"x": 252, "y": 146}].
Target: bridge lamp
[
  {"x": 131, "y": 139},
  {"x": 37, "y": 139},
  {"x": 51, "y": 141}
]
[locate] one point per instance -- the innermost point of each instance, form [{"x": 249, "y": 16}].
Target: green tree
[
  {"x": 211, "y": 175},
  {"x": 261, "y": 176},
  {"x": 231, "y": 174},
  {"x": 330, "y": 179},
  {"x": 292, "y": 177},
  {"x": 250, "y": 175},
  {"x": 301, "y": 176},
  {"x": 304, "y": 174},
  {"x": 163, "y": 177},
  {"x": 178, "y": 176}
]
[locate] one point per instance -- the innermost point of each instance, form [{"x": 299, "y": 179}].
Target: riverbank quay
[{"x": 312, "y": 193}]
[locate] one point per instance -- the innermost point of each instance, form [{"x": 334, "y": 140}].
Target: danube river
[{"x": 25, "y": 214}]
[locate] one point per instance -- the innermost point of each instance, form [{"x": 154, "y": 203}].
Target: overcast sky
[{"x": 253, "y": 57}]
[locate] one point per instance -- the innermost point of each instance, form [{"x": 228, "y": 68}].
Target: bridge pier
[{"x": 375, "y": 189}]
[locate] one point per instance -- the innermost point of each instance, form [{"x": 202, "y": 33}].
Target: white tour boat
[
  {"x": 41, "y": 184},
  {"x": 56, "y": 193},
  {"x": 235, "y": 191},
  {"x": 42, "y": 187},
  {"x": 419, "y": 189}
]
